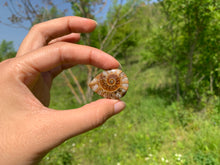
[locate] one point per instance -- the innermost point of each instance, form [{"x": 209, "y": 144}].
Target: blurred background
[{"x": 169, "y": 50}]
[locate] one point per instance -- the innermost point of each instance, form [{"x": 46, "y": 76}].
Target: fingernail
[
  {"x": 96, "y": 22},
  {"x": 120, "y": 67},
  {"x": 119, "y": 106}
]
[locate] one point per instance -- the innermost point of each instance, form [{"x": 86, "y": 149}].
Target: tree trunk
[{"x": 177, "y": 85}]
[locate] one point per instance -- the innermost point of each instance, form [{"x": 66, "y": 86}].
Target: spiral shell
[{"x": 111, "y": 84}]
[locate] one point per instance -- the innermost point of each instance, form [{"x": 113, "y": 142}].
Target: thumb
[{"x": 68, "y": 123}]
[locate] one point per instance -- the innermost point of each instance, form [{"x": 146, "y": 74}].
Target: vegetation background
[{"x": 170, "y": 51}]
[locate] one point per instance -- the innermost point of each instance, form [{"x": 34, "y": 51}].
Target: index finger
[
  {"x": 42, "y": 33},
  {"x": 60, "y": 54}
]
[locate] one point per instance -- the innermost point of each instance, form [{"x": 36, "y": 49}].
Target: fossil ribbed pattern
[{"x": 112, "y": 84}]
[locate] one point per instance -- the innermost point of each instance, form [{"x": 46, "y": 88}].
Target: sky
[
  {"x": 8, "y": 33},
  {"x": 18, "y": 34}
]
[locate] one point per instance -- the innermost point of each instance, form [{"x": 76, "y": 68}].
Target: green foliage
[
  {"x": 155, "y": 129},
  {"x": 151, "y": 130},
  {"x": 170, "y": 52},
  {"x": 6, "y": 50},
  {"x": 86, "y": 8},
  {"x": 121, "y": 18},
  {"x": 187, "y": 39}
]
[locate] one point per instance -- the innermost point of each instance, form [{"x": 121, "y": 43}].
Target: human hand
[{"x": 29, "y": 129}]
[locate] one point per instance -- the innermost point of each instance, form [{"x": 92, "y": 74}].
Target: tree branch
[
  {"x": 71, "y": 88},
  {"x": 122, "y": 41},
  {"x": 78, "y": 85}
]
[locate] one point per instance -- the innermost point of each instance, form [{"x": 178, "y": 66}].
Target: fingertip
[
  {"x": 96, "y": 23},
  {"x": 109, "y": 62},
  {"x": 93, "y": 26},
  {"x": 85, "y": 25},
  {"x": 119, "y": 106}
]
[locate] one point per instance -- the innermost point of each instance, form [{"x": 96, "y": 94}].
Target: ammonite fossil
[{"x": 111, "y": 84}]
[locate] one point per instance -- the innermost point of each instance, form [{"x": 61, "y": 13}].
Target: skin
[{"x": 28, "y": 128}]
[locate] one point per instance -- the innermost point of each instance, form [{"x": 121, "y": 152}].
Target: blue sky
[
  {"x": 17, "y": 34},
  {"x": 8, "y": 33}
]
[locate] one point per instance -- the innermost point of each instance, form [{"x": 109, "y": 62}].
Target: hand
[{"x": 29, "y": 129}]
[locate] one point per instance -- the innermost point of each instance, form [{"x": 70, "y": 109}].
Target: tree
[
  {"x": 107, "y": 32},
  {"x": 120, "y": 19},
  {"x": 25, "y": 13},
  {"x": 6, "y": 50},
  {"x": 188, "y": 41}
]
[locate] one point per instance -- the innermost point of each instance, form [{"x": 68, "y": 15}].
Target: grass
[{"x": 149, "y": 131}]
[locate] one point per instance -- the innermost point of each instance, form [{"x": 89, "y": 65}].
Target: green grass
[{"x": 149, "y": 131}]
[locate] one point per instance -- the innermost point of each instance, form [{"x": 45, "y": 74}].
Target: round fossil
[{"x": 111, "y": 84}]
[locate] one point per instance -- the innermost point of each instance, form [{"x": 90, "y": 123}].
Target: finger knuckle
[
  {"x": 38, "y": 31},
  {"x": 35, "y": 28},
  {"x": 91, "y": 55},
  {"x": 8, "y": 68}
]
